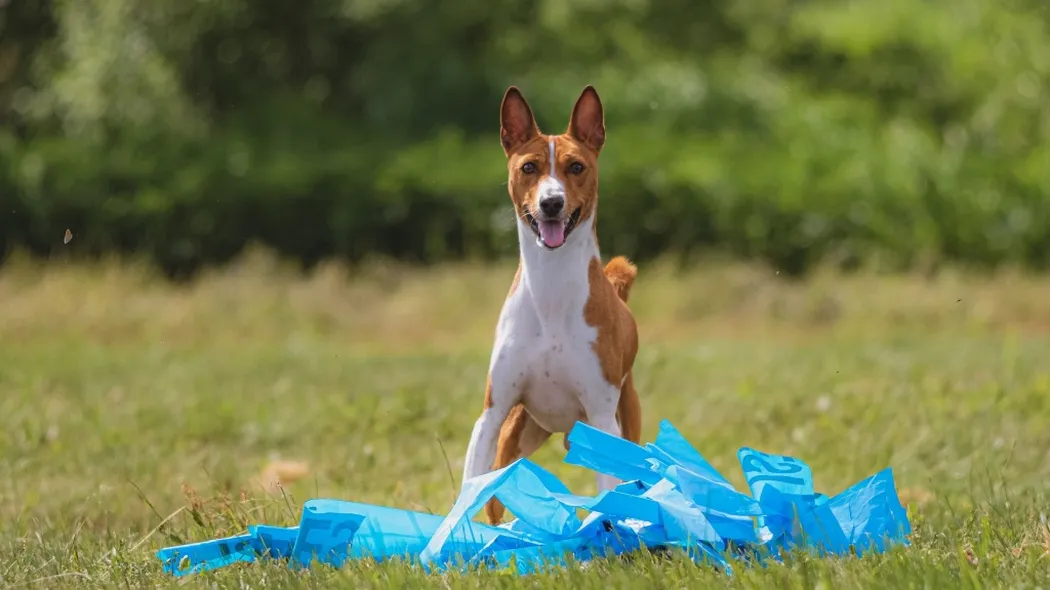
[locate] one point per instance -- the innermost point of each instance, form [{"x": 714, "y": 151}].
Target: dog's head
[{"x": 553, "y": 179}]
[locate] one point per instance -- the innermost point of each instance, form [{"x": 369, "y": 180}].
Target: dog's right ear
[{"x": 517, "y": 125}]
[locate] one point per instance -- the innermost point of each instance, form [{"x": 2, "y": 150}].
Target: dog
[{"x": 565, "y": 341}]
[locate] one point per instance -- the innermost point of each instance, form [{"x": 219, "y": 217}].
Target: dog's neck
[{"x": 557, "y": 280}]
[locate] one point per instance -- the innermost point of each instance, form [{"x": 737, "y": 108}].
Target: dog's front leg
[
  {"x": 501, "y": 395},
  {"x": 601, "y": 414}
]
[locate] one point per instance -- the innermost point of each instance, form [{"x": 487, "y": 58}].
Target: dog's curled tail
[{"x": 621, "y": 273}]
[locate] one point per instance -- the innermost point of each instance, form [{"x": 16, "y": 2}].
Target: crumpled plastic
[{"x": 671, "y": 498}]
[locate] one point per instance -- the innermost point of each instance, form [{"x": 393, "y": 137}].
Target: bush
[{"x": 790, "y": 132}]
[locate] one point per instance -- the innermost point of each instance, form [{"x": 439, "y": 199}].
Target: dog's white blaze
[
  {"x": 550, "y": 185},
  {"x": 554, "y": 162},
  {"x": 543, "y": 355}
]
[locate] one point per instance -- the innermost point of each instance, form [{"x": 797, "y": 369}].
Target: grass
[{"x": 135, "y": 414}]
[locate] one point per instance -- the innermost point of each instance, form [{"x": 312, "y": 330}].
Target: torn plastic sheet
[{"x": 671, "y": 498}]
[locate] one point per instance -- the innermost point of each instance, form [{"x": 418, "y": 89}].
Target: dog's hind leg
[
  {"x": 629, "y": 411},
  {"x": 520, "y": 436}
]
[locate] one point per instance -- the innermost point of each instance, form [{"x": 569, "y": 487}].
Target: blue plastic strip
[{"x": 671, "y": 498}]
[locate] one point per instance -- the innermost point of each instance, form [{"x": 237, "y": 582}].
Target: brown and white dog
[{"x": 566, "y": 341}]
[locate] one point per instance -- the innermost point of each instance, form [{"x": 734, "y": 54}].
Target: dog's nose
[{"x": 552, "y": 206}]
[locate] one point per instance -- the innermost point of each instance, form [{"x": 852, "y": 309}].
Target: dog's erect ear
[
  {"x": 517, "y": 125},
  {"x": 587, "y": 124}
]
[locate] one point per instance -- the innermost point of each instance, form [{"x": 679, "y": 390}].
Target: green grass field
[{"x": 136, "y": 415}]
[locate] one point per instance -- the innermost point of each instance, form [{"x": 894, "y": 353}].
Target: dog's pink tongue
[{"x": 552, "y": 233}]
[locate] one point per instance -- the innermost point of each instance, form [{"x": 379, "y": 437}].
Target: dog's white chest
[{"x": 547, "y": 351}]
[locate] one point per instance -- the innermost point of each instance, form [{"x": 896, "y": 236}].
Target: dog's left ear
[{"x": 587, "y": 123}]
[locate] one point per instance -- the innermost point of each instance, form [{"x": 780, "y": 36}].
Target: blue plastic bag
[{"x": 671, "y": 498}]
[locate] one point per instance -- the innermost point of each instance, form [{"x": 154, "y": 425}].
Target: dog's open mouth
[{"x": 552, "y": 233}]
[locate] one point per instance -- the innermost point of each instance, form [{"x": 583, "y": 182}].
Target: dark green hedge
[{"x": 793, "y": 132}]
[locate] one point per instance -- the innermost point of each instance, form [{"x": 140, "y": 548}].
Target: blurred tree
[{"x": 790, "y": 131}]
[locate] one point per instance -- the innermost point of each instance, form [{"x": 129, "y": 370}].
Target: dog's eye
[
  {"x": 576, "y": 168},
  {"x": 528, "y": 168}
]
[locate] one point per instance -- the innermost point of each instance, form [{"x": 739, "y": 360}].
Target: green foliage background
[{"x": 793, "y": 131}]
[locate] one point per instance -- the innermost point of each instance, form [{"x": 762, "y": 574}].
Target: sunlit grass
[{"x": 124, "y": 399}]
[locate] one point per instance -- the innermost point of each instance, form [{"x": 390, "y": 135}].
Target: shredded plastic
[{"x": 671, "y": 498}]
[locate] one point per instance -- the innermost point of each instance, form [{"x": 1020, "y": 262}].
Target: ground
[{"x": 136, "y": 415}]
